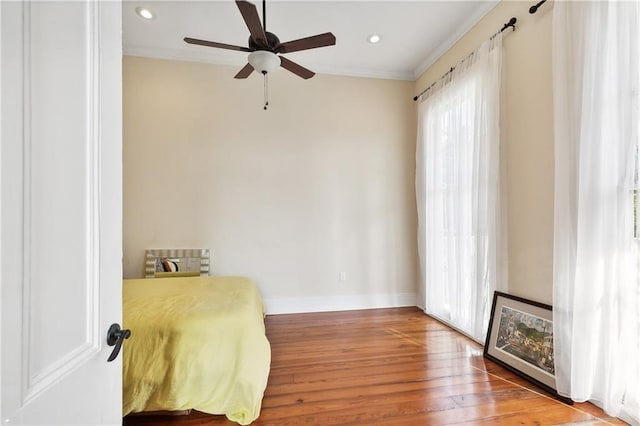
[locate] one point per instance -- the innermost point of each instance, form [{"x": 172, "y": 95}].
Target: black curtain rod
[
  {"x": 510, "y": 24},
  {"x": 533, "y": 9}
]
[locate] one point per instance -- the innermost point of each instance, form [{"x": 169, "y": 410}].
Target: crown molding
[
  {"x": 210, "y": 57},
  {"x": 453, "y": 39}
]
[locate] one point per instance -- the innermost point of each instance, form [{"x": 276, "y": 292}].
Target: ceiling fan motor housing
[{"x": 272, "y": 41}]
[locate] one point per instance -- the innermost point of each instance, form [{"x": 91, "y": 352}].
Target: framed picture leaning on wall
[{"x": 520, "y": 338}]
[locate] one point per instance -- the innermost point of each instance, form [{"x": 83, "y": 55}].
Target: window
[{"x": 458, "y": 191}]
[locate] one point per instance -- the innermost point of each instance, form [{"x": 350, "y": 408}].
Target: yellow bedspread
[{"x": 196, "y": 342}]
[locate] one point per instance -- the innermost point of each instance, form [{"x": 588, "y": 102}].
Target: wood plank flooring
[{"x": 388, "y": 367}]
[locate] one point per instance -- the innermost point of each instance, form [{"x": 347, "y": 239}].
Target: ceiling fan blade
[
  {"x": 320, "y": 40},
  {"x": 245, "y": 71},
  {"x": 216, "y": 44},
  {"x": 250, "y": 15},
  {"x": 298, "y": 70}
]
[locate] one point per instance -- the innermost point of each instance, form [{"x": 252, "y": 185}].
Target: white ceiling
[{"x": 415, "y": 33}]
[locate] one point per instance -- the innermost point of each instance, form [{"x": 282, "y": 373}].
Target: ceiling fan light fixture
[{"x": 264, "y": 62}]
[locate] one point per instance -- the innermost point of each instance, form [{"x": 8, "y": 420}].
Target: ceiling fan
[{"x": 265, "y": 48}]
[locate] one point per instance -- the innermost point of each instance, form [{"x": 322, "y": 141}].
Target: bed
[{"x": 196, "y": 343}]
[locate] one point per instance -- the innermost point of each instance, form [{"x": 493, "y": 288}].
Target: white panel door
[{"x": 61, "y": 203}]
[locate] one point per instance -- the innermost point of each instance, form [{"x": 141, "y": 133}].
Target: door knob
[{"x": 116, "y": 336}]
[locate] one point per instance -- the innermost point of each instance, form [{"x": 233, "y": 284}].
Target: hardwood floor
[{"x": 388, "y": 367}]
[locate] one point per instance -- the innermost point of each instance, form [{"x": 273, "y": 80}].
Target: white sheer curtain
[
  {"x": 596, "y": 51},
  {"x": 457, "y": 191}
]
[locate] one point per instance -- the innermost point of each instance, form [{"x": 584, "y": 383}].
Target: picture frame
[{"x": 520, "y": 338}]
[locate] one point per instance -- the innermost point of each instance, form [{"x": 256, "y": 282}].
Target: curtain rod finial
[{"x": 533, "y": 9}]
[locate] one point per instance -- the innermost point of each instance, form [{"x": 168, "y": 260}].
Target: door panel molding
[
  {"x": 41, "y": 369},
  {"x": 61, "y": 217}
]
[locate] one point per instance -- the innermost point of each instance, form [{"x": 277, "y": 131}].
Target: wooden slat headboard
[{"x": 190, "y": 261}]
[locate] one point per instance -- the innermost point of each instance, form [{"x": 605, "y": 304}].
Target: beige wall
[
  {"x": 319, "y": 184},
  {"x": 527, "y": 138}
]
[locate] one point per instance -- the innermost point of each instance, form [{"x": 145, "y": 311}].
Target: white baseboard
[{"x": 296, "y": 305}]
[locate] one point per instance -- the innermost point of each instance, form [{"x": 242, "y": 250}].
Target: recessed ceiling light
[
  {"x": 145, "y": 13},
  {"x": 374, "y": 38}
]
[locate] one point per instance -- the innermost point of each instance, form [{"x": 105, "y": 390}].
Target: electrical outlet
[{"x": 342, "y": 276}]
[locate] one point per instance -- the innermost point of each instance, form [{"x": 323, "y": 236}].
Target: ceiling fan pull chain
[{"x": 266, "y": 90}]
